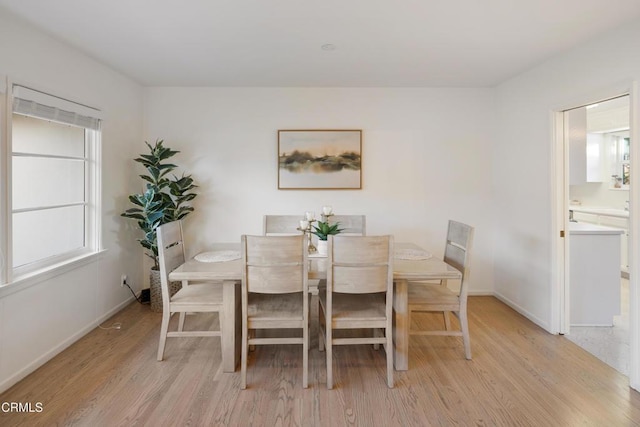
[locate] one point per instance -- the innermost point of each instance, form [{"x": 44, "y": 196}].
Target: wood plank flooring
[{"x": 519, "y": 375}]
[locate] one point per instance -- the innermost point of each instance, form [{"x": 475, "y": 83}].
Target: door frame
[{"x": 560, "y": 222}]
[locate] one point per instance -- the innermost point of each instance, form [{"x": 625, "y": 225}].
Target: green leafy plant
[
  {"x": 324, "y": 229},
  {"x": 165, "y": 199}
]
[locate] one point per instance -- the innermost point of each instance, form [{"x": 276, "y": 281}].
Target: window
[{"x": 54, "y": 182}]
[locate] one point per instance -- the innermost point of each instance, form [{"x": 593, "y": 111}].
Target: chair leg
[
  {"x": 447, "y": 320},
  {"x": 389, "y": 350},
  {"x": 466, "y": 339},
  {"x": 329, "y": 351},
  {"x": 220, "y": 324},
  {"x": 305, "y": 357},
  {"x": 322, "y": 325},
  {"x": 164, "y": 328},
  {"x": 243, "y": 357},
  {"x": 252, "y": 334},
  {"x": 181, "y": 321},
  {"x": 377, "y": 334}
]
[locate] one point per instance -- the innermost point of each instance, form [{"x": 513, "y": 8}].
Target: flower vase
[
  {"x": 156, "y": 290},
  {"x": 322, "y": 247}
]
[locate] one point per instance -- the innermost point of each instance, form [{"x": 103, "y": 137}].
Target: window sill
[{"x": 27, "y": 280}]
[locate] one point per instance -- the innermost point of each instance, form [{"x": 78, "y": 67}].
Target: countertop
[
  {"x": 617, "y": 213},
  {"x": 587, "y": 228}
]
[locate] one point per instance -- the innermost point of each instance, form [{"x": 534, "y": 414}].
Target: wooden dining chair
[
  {"x": 430, "y": 297},
  {"x": 359, "y": 295},
  {"x": 284, "y": 225},
  {"x": 275, "y": 294},
  {"x": 351, "y": 224},
  {"x": 191, "y": 298}
]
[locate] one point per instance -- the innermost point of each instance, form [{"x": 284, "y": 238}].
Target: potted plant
[
  {"x": 324, "y": 230},
  {"x": 165, "y": 199}
]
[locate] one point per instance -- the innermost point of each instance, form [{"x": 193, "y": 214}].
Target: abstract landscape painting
[{"x": 319, "y": 159}]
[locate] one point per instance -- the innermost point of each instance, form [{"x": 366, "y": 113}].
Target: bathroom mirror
[{"x": 619, "y": 145}]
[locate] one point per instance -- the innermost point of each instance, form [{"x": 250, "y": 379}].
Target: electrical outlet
[{"x": 123, "y": 280}]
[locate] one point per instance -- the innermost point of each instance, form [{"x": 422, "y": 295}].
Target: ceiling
[{"x": 410, "y": 43}]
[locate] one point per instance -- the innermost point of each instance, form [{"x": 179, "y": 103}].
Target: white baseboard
[
  {"x": 22, "y": 373},
  {"x": 481, "y": 293},
  {"x": 544, "y": 325}
]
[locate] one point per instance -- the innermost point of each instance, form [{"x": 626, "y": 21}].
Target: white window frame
[{"x": 92, "y": 204}]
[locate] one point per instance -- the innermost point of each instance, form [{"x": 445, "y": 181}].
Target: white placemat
[
  {"x": 217, "y": 256},
  {"x": 412, "y": 254}
]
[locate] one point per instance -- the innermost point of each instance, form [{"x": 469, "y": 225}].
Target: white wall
[
  {"x": 523, "y": 173},
  {"x": 38, "y": 321},
  {"x": 426, "y": 159}
]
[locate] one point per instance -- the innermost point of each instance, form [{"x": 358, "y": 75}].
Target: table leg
[
  {"x": 401, "y": 325},
  {"x": 231, "y": 325}
]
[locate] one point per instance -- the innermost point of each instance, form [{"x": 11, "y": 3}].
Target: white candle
[
  {"x": 310, "y": 215},
  {"x": 304, "y": 224},
  {"x": 327, "y": 210}
]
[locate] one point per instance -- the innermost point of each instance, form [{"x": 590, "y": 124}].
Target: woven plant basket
[{"x": 155, "y": 290}]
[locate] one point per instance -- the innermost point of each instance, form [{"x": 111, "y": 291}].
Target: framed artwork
[{"x": 319, "y": 159}]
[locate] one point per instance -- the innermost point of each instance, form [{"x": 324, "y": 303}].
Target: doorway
[{"x": 597, "y": 139}]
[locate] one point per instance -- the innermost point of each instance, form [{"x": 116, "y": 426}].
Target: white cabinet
[
  {"x": 586, "y": 150},
  {"x": 616, "y": 218},
  {"x": 624, "y": 251},
  {"x": 595, "y": 154},
  {"x": 594, "y": 274}
]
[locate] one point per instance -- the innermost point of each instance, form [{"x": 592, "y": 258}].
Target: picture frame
[{"x": 320, "y": 159}]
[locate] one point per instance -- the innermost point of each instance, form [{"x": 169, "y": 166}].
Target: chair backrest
[
  {"x": 351, "y": 224},
  {"x": 170, "y": 254},
  {"x": 360, "y": 264},
  {"x": 275, "y": 264},
  {"x": 281, "y": 225},
  {"x": 457, "y": 248}
]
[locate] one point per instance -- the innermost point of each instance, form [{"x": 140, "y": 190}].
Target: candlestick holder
[
  {"x": 310, "y": 246},
  {"x": 325, "y": 217}
]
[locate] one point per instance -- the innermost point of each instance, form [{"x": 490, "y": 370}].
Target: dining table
[{"x": 411, "y": 263}]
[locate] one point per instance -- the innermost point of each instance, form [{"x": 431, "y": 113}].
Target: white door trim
[
  {"x": 634, "y": 236},
  {"x": 559, "y": 223}
]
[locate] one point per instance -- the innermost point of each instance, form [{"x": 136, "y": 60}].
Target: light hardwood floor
[{"x": 519, "y": 375}]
